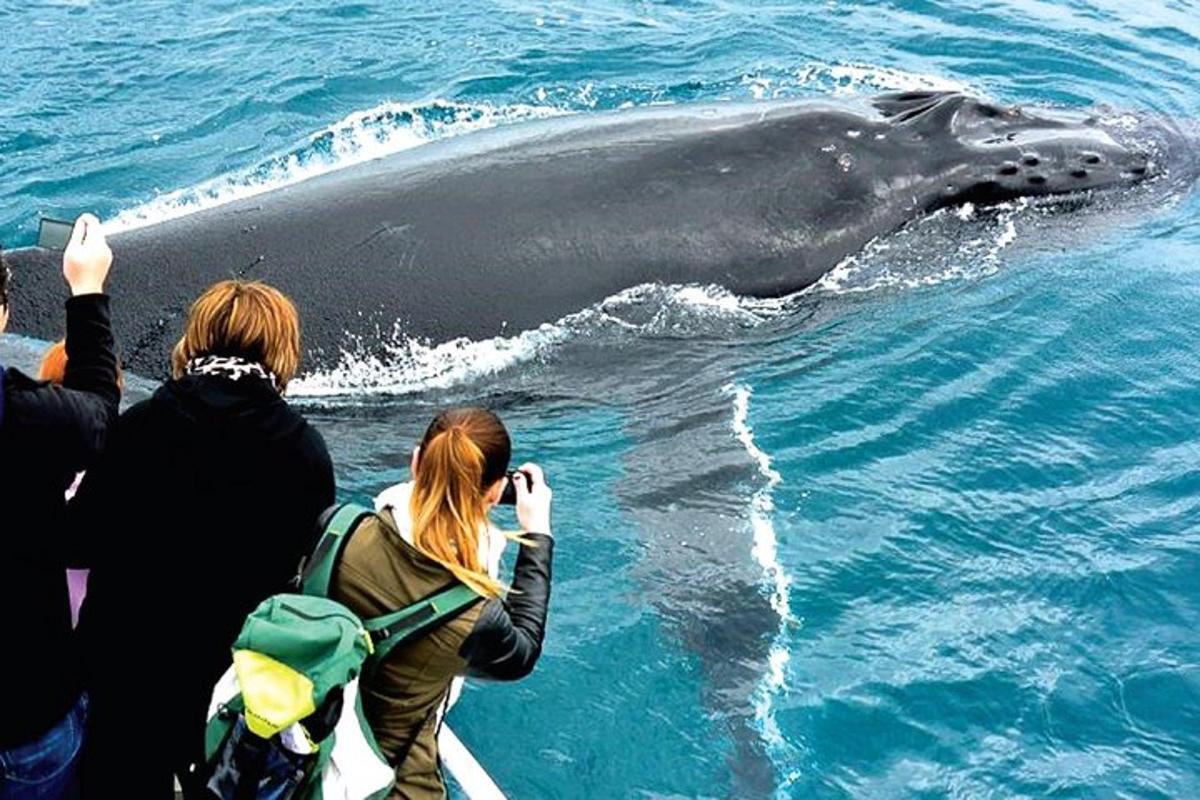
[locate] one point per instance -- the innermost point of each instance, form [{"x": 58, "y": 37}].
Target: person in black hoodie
[
  {"x": 208, "y": 497},
  {"x": 47, "y": 434}
]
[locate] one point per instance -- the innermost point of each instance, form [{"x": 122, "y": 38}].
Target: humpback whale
[{"x": 501, "y": 231}]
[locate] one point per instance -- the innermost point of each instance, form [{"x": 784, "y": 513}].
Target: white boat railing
[{"x": 467, "y": 771}]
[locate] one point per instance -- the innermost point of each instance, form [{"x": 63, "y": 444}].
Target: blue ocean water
[{"x": 929, "y": 530}]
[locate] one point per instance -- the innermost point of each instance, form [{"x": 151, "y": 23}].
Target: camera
[{"x": 509, "y": 496}]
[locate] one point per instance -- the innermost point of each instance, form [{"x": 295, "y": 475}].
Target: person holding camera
[
  {"x": 430, "y": 534},
  {"x": 48, "y": 433}
]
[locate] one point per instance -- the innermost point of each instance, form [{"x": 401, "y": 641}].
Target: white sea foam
[
  {"x": 393, "y": 363},
  {"x": 766, "y": 549},
  {"x": 906, "y": 259},
  {"x": 844, "y": 79},
  {"x": 850, "y": 79},
  {"x": 758, "y": 87},
  {"x": 714, "y": 297},
  {"x": 765, "y": 552},
  {"x": 399, "y": 365},
  {"x": 362, "y": 136}
]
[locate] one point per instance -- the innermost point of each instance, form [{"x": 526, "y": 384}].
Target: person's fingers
[
  {"x": 87, "y": 225},
  {"x": 535, "y": 472},
  {"x": 79, "y": 232}
]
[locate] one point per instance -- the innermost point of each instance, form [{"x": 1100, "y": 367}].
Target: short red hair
[{"x": 54, "y": 365}]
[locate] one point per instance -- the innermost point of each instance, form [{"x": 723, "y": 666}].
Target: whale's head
[{"x": 994, "y": 153}]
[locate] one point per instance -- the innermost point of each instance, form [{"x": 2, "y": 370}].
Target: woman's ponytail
[{"x": 447, "y": 505}]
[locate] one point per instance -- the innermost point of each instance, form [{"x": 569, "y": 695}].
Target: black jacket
[
  {"x": 48, "y": 434},
  {"x": 203, "y": 505}
]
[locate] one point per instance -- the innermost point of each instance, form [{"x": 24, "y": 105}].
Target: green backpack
[{"x": 286, "y": 721}]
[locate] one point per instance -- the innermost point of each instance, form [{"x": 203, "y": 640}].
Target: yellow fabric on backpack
[{"x": 275, "y": 694}]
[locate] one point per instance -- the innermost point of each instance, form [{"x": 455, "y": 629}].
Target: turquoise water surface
[{"x": 931, "y": 529}]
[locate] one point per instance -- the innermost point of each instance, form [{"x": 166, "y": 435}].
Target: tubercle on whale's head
[{"x": 1006, "y": 152}]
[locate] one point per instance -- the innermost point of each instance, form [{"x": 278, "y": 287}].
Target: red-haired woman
[{"x": 432, "y": 533}]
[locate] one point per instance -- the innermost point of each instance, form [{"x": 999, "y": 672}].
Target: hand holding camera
[
  {"x": 528, "y": 490},
  {"x": 87, "y": 257}
]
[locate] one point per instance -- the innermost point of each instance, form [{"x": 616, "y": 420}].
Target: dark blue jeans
[{"x": 45, "y": 769}]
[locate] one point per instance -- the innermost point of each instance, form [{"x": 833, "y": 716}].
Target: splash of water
[
  {"x": 394, "y": 363},
  {"x": 377, "y": 132},
  {"x": 850, "y": 79},
  {"x": 906, "y": 260}
]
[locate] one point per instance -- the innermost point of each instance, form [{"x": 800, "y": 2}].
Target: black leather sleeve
[{"x": 506, "y": 641}]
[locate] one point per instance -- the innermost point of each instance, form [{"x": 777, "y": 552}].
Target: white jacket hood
[{"x": 492, "y": 541}]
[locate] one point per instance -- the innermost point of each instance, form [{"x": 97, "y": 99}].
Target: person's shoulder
[
  {"x": 138, "y": 413},
  {"x": 309, "y": 438},
  {"x": 36, "y": 409},
  {"x": 304, "y": 452},
  {"x": 17, "y": 381},
  {"x": 22, "y": 396},
  {"x": 28, "y": 398}
]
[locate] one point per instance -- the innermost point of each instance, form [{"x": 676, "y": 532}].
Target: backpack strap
[
  {"x": 388, "y": 631},
  {"x": 392, "y": 630},
  {"x": 337, "y": 524}
]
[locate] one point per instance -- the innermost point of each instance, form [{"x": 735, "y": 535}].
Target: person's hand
[
  {"x": 533, "y": 502},
  {"x": 87, "y": 257}
]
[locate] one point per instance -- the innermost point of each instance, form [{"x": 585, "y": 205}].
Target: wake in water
[{"x": 776, "y": 581}]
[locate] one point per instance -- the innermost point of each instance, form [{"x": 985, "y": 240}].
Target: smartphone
[{"x": 53, "y": 234}]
